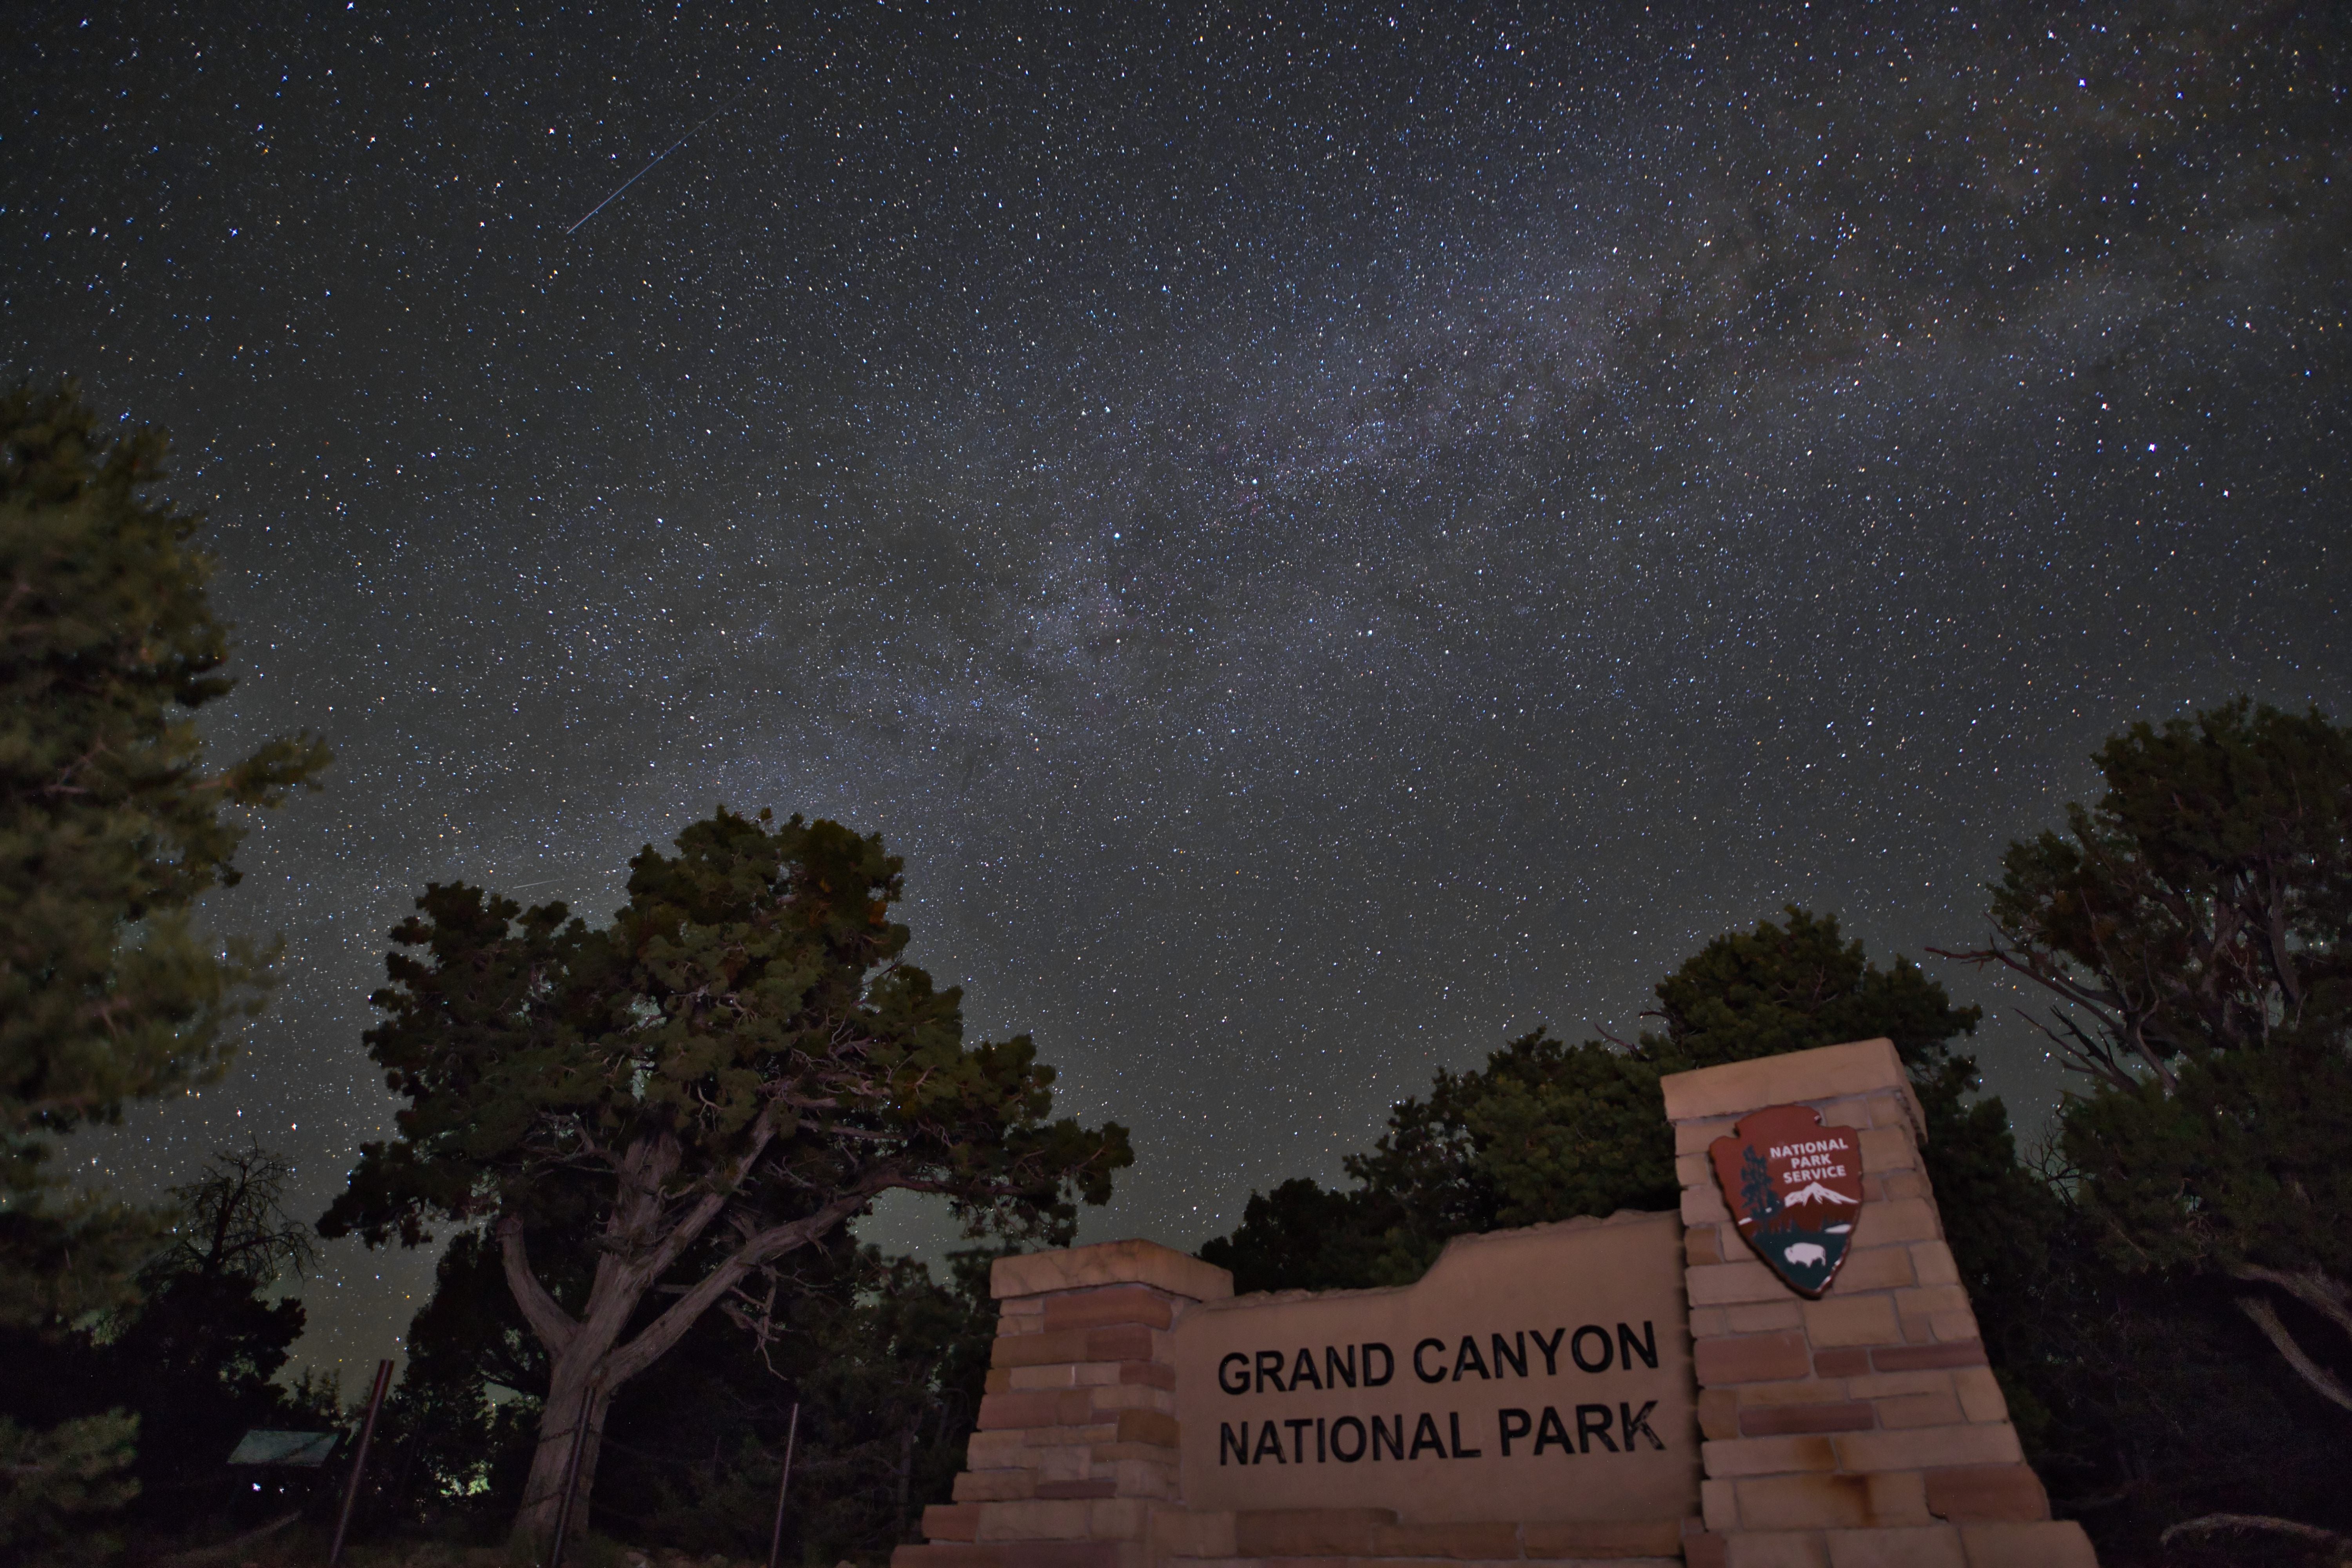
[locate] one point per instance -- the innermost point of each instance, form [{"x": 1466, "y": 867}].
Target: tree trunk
[{"x": 576, "y": 1393}]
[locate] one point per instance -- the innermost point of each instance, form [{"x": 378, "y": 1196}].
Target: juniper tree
[
  {"x": 2193, "y": 929},
  {"x": 111, "y": 824},
  {"x": 728, "y": 1073}
]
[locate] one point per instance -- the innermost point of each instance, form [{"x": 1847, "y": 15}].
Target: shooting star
[{"x": 665, "y": 153}]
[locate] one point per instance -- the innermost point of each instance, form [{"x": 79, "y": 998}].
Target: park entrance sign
[
  {"x": 1541, "y": 1373},
  {"x": 1786, "y": 1371}
]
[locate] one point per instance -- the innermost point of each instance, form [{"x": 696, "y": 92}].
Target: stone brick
[
  {"x": 1762, "y": 1317},
  {"x": 1901, "y": 1219},
  {"x": 1719, "y": 1413},
  {"x": 1953, "y": 1328},
  {"x": 1127, "y": 1342},
  {"x": 1036, "y": 1518},
  {"x": 1723, "y": 1284},
  {"x": 1905, "y": 1184},
  {"x": 1027, "y": 1379},
  {"x": 1876, "y": 1269},
  {"x": 1900, "y": 1410},
  {"x": 1705, "y": 1205},
  {"x": 1898, "y": 1497},
  {"x": 1894, "y": 1384},
  {"x": 1111, "y": 1304},
  {"x": 1118, "y": 1519},
  {"x": 2059, "y": 1543},
  {"x": 1803, "y": 1502},
  {"x": 1752, "y": 1358},
  {"x": 1926, "y": 1300},
  {"x": 1928, "y": 1447},
  {"x": 1069, "y": 1554},
  {"x": 1718, "y": 1504},
  {"x": 1151, "y": 1372},
  {"x": 1703, "y": 1244},
  {"x": 1796, "y": 1390},
  {"x": 996, "y": 1486},
  {"x": 1782, "y": 1420},
  {"x": 1038, "y": 1349},
  {"x": 1131, "y": 1397},
  {"x": 1145, "y": 1478},
  {"x": 1091, "y": 1486},
  {"x": 1699, "y": 1137},
  {"x": 1604, "y": 1538},
  {"x": 1826, "y": 1072},
  {"x": 952, "y": 1520},
  {"x": 1109, "y": 1263},
  {"x": 995, "y": 1450},
  {"x": 1738, "y": 1457},
  {"x": 1918, "y": 1546},
  {"x": 1777, "y": 1548},
  {"x": 1841, "y": 1363},
  {"x": 1979, "y": 1394},
  {"x": 1917, "y": 1358},
  {"x": 1885, "y": 1110},
  {"x": 1040, "y": 1409},
  {"x": 1148, "y": 1426},
  {"x": 999, "y": 1380},
  {"x": 1705, "y": 1549},
  {"x": 1307, "y": 1531},
  {"x": 1112, "y": 1452},
  {"x": 1837, "y": 1320},
  {"x": 947, "y": 1555},
  {"x": 1190, "y": 1532},
  {"x": 1885, "y": 1149},
  {"x": 1710, "y": 1323},
  {"x": 1457, "y": 1540},
  {"x": 1971, "y": 1494},
  {"x": 1695, "y": 1169}
]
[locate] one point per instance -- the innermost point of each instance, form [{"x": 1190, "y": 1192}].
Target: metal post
[
  {"x": 571, "y": 1471},
  {"x": 359, "y": 1461},
  {"x": 776, "y": 1536}
]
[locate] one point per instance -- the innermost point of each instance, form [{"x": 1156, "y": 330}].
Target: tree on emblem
[{"x": 1756, "y": 1191}]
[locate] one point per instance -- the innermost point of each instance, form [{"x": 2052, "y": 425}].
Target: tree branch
[
  {"x": 659, "y": 1336},
  {"x": 554, "y": 1326},
  {"x": 2308, "y": 1286},
  {"x": 2265, "y": 1318},
  {"x": 2206, "y": 1523}
]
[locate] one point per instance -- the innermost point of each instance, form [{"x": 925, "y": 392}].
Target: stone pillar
[
  {"x": 1863, "y": 1428},
  {"x": 1077, "y": 1431}
]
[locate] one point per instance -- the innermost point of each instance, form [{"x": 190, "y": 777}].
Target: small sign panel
[
  {"x": 1795, "y": 1188},
  {"x": 262, "y": 1447}
]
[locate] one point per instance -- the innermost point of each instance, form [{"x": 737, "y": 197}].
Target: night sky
[{"x": 1326, "y": 537}]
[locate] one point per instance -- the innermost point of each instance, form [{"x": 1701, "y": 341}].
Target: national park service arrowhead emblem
[{"x": 1795, "y": 1188}]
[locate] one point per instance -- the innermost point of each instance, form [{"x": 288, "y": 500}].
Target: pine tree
[{"x": 110, "y": 825}]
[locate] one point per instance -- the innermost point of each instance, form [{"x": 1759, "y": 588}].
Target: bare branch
[
  {"x": 2309, "y": 1286},
  {"x": 554, "y": 1326},
  {"x": 2207, "y": 1524},
  {"x": 2265, "y": 1318}
]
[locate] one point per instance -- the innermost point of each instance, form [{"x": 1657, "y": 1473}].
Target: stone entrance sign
[
  {"x": 1638, "y": 1392},
  {"x": 1536, "y": 1374}
]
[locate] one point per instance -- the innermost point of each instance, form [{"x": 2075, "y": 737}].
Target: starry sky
[{"x": 1326, "y": 536}]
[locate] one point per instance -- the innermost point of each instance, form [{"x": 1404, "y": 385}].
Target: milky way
[{"x": 1326, "y": 540}]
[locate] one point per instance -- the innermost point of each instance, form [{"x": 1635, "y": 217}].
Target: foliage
[
  {"x": 737, "y": 1065},
  {"x": 1547, "y": 1130},
  {"x": 189, "y": 1365},
  {"x": 110, "y": 826},
  {"x": 2192, "y": 928},
  {"x": 2202, "y": 905},
  {"x": 886, "y": 1364}
]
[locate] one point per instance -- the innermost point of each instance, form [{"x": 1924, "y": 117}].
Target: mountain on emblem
[{"x": 1794, "y": 1187}]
